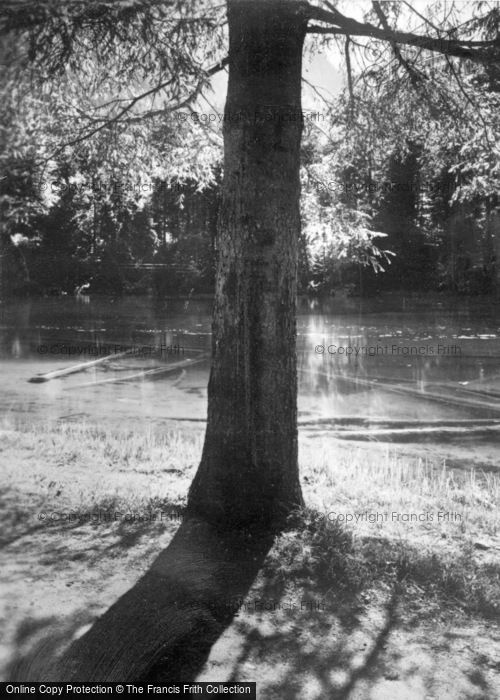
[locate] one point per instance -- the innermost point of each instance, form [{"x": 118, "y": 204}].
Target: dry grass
[
  {"x": 85, "y": 469},
  {"x": 381, "y": 481}
]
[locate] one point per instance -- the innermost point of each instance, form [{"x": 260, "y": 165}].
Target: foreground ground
[{"x": 386, "y": 587}]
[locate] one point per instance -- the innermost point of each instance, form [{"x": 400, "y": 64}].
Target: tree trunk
[{"x": 249, "y": 471}]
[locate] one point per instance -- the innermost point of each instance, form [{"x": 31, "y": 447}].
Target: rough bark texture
[{"x": 248, "y": 472}]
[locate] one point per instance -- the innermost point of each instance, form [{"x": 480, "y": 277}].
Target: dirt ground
[{"x": 298, "y": 639}]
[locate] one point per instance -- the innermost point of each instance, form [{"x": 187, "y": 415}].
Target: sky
[
  {"x": 326, "y": 70},
  {"x": 319, "y": 70}
]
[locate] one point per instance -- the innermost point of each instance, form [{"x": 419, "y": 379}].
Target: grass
[
  {"x": 328, "y": 554},
  {"x": 379, "y": 481},
  {"x": 86, "y": 469}
]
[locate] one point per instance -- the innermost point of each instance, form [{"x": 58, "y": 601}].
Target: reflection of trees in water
[
  {"x": 417, "y": 363},
  {"x": 331, "y": 378},
  {"x": 334, "y": 384}
]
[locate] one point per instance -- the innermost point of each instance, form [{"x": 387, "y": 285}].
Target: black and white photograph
[{"x": 250, "y": 349}]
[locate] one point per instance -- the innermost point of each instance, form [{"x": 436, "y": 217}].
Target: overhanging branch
[
  {"x": 479, "y": 51},
  {"x": 105, "y": 123},
  {"x": 415, "y": 77}
]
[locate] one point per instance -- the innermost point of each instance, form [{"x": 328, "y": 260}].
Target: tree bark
[{"x": 248, "y": 471}]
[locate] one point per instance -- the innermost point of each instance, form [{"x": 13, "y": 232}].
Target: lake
[{"x": 395, "y": 368}]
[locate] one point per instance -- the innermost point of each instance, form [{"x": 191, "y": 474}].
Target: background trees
[
  {"x": 401, "y": 111},
  {"x": 119, "y": 71},
  {"x": 91, "y": 94}
]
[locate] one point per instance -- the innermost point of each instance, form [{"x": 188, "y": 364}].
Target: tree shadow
[
  {"x": 337, "y": 633},
  {"x": 314, "y": 636},
  {"x": 163, "y": 628},
  {"x": 38, "y": 643},
  {"x": 170, "y": 626}
]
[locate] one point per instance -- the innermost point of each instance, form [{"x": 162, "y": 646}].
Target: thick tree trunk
[{"x": 249, "y": 472}]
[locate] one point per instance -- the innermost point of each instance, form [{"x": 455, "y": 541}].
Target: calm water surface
[{"x": 388, "y": 359}]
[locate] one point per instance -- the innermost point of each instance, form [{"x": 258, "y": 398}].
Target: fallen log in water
[
  {"x": 473, "y": 391},
  {"x": 409, "y": 434},
  {"x": 80, "y": 367},
  {"x": 461, "y": 401},
  {"x": 450, "y": 400},
  {"x": 140, "y": 375},
  {"x": 398, "y": 424},
  {"x": 179, "y": 378}
]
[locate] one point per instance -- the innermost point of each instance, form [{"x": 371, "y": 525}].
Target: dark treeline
[
  {"x": 400, "y": 187},
  {"x": 166, "y": 246},
  {"x": 438, "y": 243}
]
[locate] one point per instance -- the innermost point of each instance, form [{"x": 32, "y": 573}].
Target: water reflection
[
  {"x": 391, "y": 361},
  {"x": 370, "y": 358}
]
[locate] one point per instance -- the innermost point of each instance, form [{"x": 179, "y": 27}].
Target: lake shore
[{"x": 88, "y": 509}]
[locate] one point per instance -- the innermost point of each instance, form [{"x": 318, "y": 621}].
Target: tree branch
[
  {"x": 26, "y": 14},
  {"x": 469, "y": 100},
  {"x": 112, "y": 120},
  {"x": 349, "y": 74},
  {"x": 480, "y": 51},
  {"x": 415, "y": 77}
]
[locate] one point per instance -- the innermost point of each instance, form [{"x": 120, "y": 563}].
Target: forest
[
  {"x": 326, "y": 264},
  {"x": 410, "y": 207}
]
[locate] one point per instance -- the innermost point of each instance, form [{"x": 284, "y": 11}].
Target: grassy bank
[{"x": 386, "y": 541}]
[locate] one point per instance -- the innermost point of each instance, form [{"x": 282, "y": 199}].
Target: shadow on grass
[
  {"x": 108, "y": 519},
  {"x": 328, "y": 617},
  {"x": 163, "y": 628},
  {"x": 316, "y": 653},
  {"x": 346, "y": 600},
  {"x": 350, "y": 650},
  {"x": 309, "y": 621}
]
